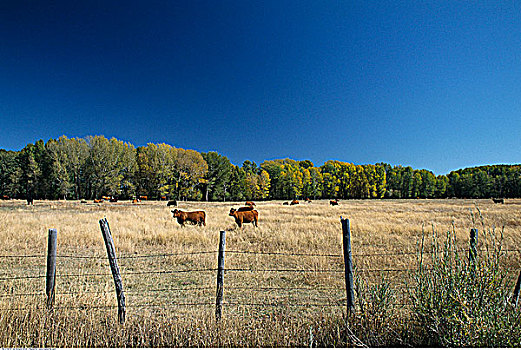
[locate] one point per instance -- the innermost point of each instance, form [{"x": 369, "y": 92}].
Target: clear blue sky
[{"x": 431, "y": 84}]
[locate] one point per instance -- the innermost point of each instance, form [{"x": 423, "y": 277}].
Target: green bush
[
  {"x": 460, "y": 302},
  {"x": 451, "y": 300}
]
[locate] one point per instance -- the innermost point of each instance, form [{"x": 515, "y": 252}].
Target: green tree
[
  {"x": 237, "y": 184},
  {"x": 428, "y": 184},
  {"x": 312, "y": 183},
  {"x": 10, "y": 174},
  {"x": 217, "y": 177},
  {"x": 31, "y": 171},
  {"x": 111, "y": 166},
  {"x": 274, "y": 169},
  {"x": 441, "y": 186},
  {"x": 189, "y": 172}
]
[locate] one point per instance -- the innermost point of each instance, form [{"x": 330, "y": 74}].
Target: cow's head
[{"x": 232, "y": 211}]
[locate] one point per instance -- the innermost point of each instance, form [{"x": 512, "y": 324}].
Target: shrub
[{"x": 459, "y": 302}]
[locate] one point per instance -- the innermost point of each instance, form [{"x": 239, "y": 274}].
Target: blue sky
[{"x": 430, "y": 84}]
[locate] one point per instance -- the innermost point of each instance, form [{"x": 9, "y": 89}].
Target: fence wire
[{"x": 231, "y": 299}]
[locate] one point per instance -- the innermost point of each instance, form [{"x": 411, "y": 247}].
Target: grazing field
[{"x": 284, "y": 284}]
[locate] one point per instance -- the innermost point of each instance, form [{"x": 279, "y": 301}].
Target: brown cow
[
  {"x": 163, "y": 198},
  {"x": 294, "y": 202},
  {"x": 245, "y": 217},
  {"x": 251, "y": 204},
  {"x": 105, "y": 198},
  {"x": 4, "y": 197},
  {"x": 193, "y": 217},
  {"x": 98, "y": 201},
  {"x": 144, "y": 198},
  {"x": 335, "y": 202},
  {"x": 135, "y": 201}
]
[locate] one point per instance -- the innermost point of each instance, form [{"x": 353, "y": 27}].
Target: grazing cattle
[
  {"x": 105, "y": 198},
  {"x": 499, "y": 200},
  {"x": 245, "y": 217},
  {"x": 248, "y": 208},
  {"x": 113, "y": 200},
  {"x": 4, "y": 197},
  {"x": 294, "y": 202},
  {"x": 335, "y": 202},
  {"x": 285, "y": 203},
  {"x": 174, "y": 203},
  {"x": 193, "y": 217},
  {"x": 143, "y": 198},
  {"x": 251, "y": 204},
  {"x": 98, "y": 201},
  {"x": 135, "y": 201},
  {"x": 30, "y": 200},
  {"x": 163, "y": 198},
  {"x": 83, "y": 201}
]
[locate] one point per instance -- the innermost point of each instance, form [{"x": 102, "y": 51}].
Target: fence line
[
  {"x": 149, "y": 292},
  {"x": 130, "y": 257},
  {"x": 234, "y": 299},
  {"x": 177, "y": 305},
  {"x": 359, "y": 270}
]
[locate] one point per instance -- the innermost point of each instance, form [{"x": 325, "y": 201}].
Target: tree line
[{"x": 94, "y": 166}]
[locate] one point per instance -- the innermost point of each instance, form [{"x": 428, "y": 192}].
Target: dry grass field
[{"x": 284, "y": 284}]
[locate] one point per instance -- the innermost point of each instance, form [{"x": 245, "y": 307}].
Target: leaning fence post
[
  {"x": 515, "y": 297},
  {"x": 51, "y": 267},
  {"x": 348, "y": 264},
  {"x": 473, "y": 250},
  {"x": 111, "y": 253},
  {"x": 220, "y": 276}
]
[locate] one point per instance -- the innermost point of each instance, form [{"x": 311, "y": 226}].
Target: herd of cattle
[{"x": 243, "y": 215}]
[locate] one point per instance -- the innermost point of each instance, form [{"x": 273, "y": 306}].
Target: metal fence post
[
  {"x": 111, "y": 253},
  {"x": 51, "y": 267},
  {"x": 220, "y": 276},
  {"x": 348, "y": 264}
]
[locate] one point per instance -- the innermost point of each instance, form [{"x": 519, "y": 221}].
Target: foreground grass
[
  {"x": 33, "y": 328},
  {"x": 263, "y": 307}
]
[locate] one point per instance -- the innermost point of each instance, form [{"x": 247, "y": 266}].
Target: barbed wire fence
[{"x": 335, "y": 289}]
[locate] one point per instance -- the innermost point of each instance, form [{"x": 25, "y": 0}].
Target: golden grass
[{"x": 160, "y": 310}]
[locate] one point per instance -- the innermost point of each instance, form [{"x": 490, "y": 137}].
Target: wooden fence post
[
  {"x": 111, "y": 253},
  {"x": 515, "y": 297},
  {"x": 473, "y": 250},
  {"x": 348, "y": 264},
  {"x": 220, "y": 276},
  {"x": 51, "y": 267}
]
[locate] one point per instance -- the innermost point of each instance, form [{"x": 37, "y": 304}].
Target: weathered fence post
[
  {"x": 348, "y": 264},
  {"x": 51, "y": 267},
  {"x": 220, "y": 276},
  {"x": 111, "y": 253},
  {"x": 473, "y": 250},
  {"x": 515, "y": 297}
]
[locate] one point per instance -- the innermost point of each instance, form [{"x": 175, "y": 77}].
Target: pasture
[{"x": 284, "y": 281}]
